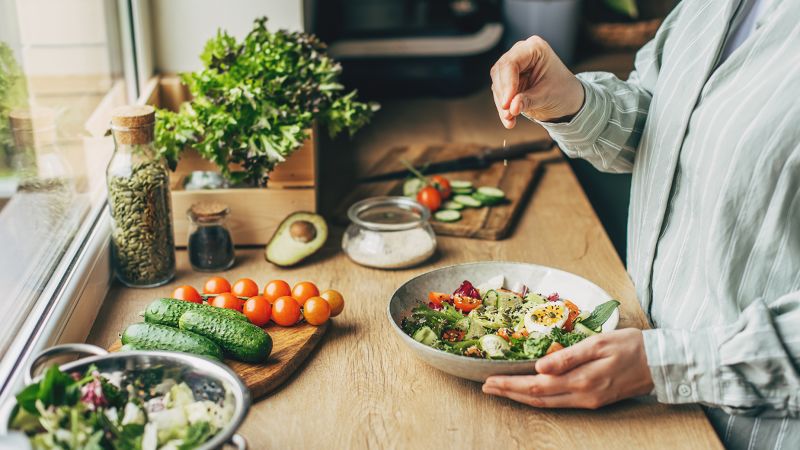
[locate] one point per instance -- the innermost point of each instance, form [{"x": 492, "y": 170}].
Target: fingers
[
  {"x": 554, "y": 401},
  {"x": 520, "y": 103},
  {"x": 569, "y": 358},
  {"x": 506, "y": 118},
  {"x": 534, "y": 385}
]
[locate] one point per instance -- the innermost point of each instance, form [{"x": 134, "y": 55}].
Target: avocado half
[{"x": 299, "y": 236}]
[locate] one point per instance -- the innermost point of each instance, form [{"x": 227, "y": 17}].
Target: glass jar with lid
[
  {"x": 142, "y": 239},
  {"x": 210, "y": 245},
  {"x": 389, "y": 233}
]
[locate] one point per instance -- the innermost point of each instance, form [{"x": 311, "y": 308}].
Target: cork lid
[
  {"x": 33, "y": 127},
  {"x": 208, "y": 211},
  {"x": 133, "y": 124}
]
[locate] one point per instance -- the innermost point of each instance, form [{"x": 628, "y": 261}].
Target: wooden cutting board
[
  {"x": 515, "y": 177},
  {"x": 290, "y": 347}
]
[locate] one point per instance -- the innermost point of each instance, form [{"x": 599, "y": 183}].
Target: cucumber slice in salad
[
  {"x": 455, "y": 206},
  {"x": 467, "y": 201},
  {"x": 494, "y": 345},
  {"x": 460, "y": 184},
  {"x": 447, "y": 215}
]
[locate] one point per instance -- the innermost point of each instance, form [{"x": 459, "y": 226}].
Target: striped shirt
[{"x": 714, "y": 219}]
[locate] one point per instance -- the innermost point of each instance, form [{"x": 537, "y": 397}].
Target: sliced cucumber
[
  {"x": 461, "y": 184},
  {"x": 584, "y": 330},
  {"x": 447, "y": 215},
  {"x": 455, "y": 206},
  {"x": 463, "y": 191},
  {"x": 490, "y": 298},
  {"x": 491, "y": 192},
  {"x": 486, "y": 200},
  {"x": 412, "y": 186},
  {"x": 425, "y": 336},
  {"x": 467, "y": 201},
  {"x": 494, "y": 345}
]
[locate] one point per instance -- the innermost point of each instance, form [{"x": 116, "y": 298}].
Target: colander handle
[
  {"x": 45, "y": 355},
  {"x": 238, "y": 441}
]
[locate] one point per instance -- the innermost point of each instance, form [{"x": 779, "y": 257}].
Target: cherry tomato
[
  {"x": 335, "y": 300},
  {"x": 523, "y": 333},
  {"x": 285, "y": 311},
  {"x": 216, "y": 285},
  {"x": 187, "y": 293},
  {"x": 245, "y": 288},
  {"x": 437, "y": 298},
  {"x": 304, "y": 290},
  {"x": 466, "y": 304},
  {"x": 316, "y": 310},
  {"x": 226, "y": 300},
  {"x": 443, "y": 185},
  {"x": 503, "y": 333},
  {"x": 574, "y": 312},
  {"x": 430, "y": 198},
  {"x": 276, "y": 289},
  {"x": 554, "y": 347},
  {"x": 258, "y": 310}
]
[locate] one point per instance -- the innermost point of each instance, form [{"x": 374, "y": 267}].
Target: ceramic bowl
[{"x": 540, "y": 279}]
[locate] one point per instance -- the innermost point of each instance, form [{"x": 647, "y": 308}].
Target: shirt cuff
[
  {"x": 683, "y": 365},
  {"x": 586, "y": 126}
]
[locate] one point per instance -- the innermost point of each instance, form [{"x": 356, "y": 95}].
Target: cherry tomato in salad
[
  {"x": 554, "y": 347},
  {"x": 276, "y": 289},
  {"x": 216, "y": 285},
  {"x": 258, "y": 310},
  {"x": 335, "y": 300},
  {"x": 574, "y": 312},
  {"x": 316, "y": 310},
  {"x": 227, "y": 300},
  {"x": 523, "y": 333},
  {"x": 303, "y": 291},
  {"x": 442, "y": 184},
  {"x": 245, "y": 288},
  {"x": 187, "y": 293},
  {"x": 285, "y": 311},
  {"x": 430, "y": 198},
  {"x": 503, "y": 333},
  {"x": 466, "y": 304},
  {"x": 437, "y": 298}
]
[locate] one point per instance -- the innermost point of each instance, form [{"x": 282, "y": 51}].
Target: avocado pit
[{"x": 303, "y": 231}]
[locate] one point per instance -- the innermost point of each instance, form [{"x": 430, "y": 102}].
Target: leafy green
[
  {"x": 566, "y": 338},
  {"x": 600, "y": 314},
  {"x": 536, "y": 347},
  {"x": 55, "y": 388},
  {"x": 254, "y": 100},
  {"x": 196, "y": 434},
  {"x": 423, "y": 315}
]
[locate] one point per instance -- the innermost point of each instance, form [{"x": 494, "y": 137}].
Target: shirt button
[{"x": 684, "y": 390}]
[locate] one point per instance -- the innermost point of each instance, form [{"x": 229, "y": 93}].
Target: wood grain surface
[
  {"x": 290, "y": 347},
  {"x": 515, "y": 177},
  {"x": 362, "y": 389}
]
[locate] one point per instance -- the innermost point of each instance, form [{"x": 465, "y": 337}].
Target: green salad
[
  {"x": 492, "y": 322},
  {"x": 147, "y": 410}
]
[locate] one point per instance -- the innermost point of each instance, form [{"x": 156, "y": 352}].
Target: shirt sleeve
[
  {"x": 748, "y": 367},
  {"x": 607, "y": 129}
]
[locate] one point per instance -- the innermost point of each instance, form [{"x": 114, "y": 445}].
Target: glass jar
[
  {"x": 210, "y": 245},
  {"x": 142, "y": 239},
  {"x": 36, "y": 159},
  {"x": 389, "y": 233}
]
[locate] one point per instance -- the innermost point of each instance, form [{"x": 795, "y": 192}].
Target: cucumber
[
  {"x": 447, "y": 215},
  {"x": 167, "y": 311},
  {"x": 425, "y": 336},
  {"x": 455, "y": 206},
  {"x": 486, "y": 201},
  {"x": 490, "y": 298},
  {"x": 494, "y": 345},
  {"x": 492, "y": 192},
  {"x": 239, "y": 339},
  {"x": 463, "y": 191},
  {"x": 151, "y": 336},
  {"x": 584, "y": 330},
  {"x": 467, "y": 201},
  {"x": 461, "y": 184},
  {"x": 412, "y": 186}
]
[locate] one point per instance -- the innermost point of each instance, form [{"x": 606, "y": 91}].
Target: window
[{"x": 61, "y": 73}]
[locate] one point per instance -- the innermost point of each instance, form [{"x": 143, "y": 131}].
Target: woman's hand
[
  {"x": 595, "y": 372},
  {"x": 531, "y": 78}
]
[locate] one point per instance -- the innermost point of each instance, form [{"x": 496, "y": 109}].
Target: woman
[{"x": 708, "y": 125}]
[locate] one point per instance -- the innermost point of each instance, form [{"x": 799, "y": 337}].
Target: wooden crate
[{"x": 256, "y": 212}]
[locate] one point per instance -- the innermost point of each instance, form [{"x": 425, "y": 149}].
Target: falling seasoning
[{"x": 210, "y": 244}]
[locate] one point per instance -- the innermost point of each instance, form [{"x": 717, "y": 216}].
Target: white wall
[{"x": 181, "y": 27}]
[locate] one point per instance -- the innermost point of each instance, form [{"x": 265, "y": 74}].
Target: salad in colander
[{"x": 493, "y": 322}]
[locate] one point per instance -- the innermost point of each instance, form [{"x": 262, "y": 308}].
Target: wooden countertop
[{"x": 362, "y": 389}]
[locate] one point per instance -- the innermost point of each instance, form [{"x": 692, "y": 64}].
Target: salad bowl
[
  {"x": 540, "y": 279},
  {"x": 207, "y": 379}
]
